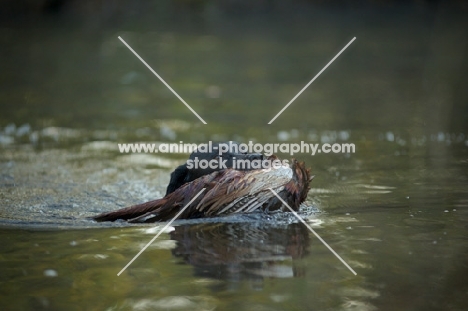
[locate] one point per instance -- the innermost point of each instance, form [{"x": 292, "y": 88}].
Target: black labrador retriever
[{"x": 188, "y": 172}]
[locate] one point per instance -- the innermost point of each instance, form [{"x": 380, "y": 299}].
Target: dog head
[{"x": 225, "y": 153}]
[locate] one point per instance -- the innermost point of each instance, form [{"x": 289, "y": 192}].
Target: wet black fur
[{"x": 183, "y": 174}]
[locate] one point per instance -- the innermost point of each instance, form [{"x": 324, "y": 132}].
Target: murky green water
[{"x": 396, "y": 210}]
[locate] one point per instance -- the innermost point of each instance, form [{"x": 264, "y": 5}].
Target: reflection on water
[
  {"x": 237, "y": 251},
  {"x": 398, "y": 219}
]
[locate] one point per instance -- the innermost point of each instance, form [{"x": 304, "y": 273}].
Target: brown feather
[{"x": 227, "y": 191}]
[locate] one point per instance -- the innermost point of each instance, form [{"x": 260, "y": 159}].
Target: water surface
[{"x": 396, "y": 210}]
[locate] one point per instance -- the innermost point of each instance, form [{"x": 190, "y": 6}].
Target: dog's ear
[{"x": 177, "y": 178}]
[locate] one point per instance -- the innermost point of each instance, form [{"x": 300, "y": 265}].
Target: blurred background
[
  {"x": 235, "y": 62},
  {"x": 396, "y": 210}
]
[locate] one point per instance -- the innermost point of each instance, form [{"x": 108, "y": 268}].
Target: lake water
[{"x": 396, "y": 210}]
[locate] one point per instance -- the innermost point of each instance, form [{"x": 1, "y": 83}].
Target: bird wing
[
  {"x": 245, "y": 193},
  {"x": 226, "y": 191}
]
